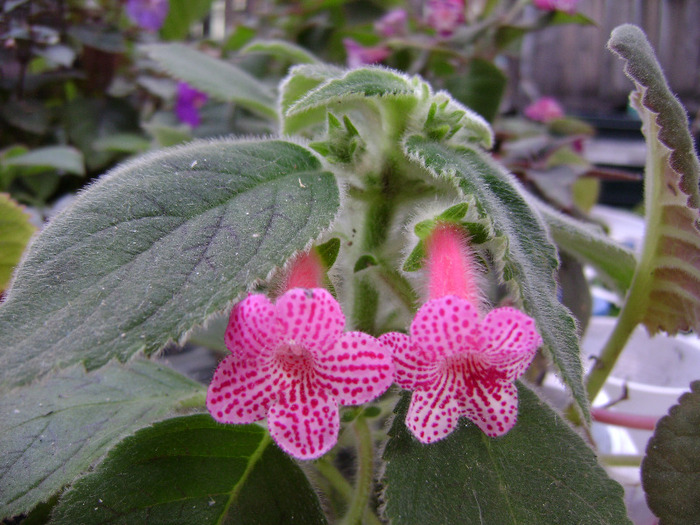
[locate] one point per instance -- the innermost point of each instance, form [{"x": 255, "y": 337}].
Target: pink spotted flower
[
  {"x": 544, "y": 109},
  {"x": 359, "y": 55},
  {"x": 445, "y": 16},
  {"x": 456, "y": 361},
  {"x": 568, "y": 6},
  {"x": 292, "y": 363}
]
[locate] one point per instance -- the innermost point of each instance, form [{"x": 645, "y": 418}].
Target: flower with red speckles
[
  {"x": 359, "y": 55},
  {"x": 393, "y": 23},
  {"x": 292, "y": 362},
  {"x": 568, "y": 6},
  {"x": 188, "y": 103},
  {"x": 544, "y": 109},
  {"x": 458, "y": 364},
  {"x": 148, "y": 14},
  {"x": 444, "y": 15}
]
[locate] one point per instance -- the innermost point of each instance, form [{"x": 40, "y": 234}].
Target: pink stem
[{"x": 623, "y": 419}]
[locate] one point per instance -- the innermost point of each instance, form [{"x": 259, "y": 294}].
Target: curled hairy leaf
[{"x": 667, "y": 281}]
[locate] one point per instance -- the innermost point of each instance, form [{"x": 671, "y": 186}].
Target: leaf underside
[
  {"x": 671, "y": 467},
  {"x": 193, "y": 470},
  {"x": 54, "y": 430},
  {"x": 529, "y": 257},
  {"x": 672, "y": 239},
  {"x": 541, "y": 472},
  {"x": 156, "y": 247}
]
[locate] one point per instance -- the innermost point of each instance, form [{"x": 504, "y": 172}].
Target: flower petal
[
  {"x": 311, "y": 318},
  {"x": 241, "y": 391},
  {"x": 434, "y": 411},
  {"x": 411, "y": 369},
  {"x": 494, "y": 410},
  {"x": 251, "y": 329},
  {"x": 305, "y": 421},
  {"x": 511, "y": 341},
  {"x": 357, "y": 369},
  {"x": 445, "y": 326}
]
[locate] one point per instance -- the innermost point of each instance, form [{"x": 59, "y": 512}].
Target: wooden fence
[{"x": 572, "y": 63}]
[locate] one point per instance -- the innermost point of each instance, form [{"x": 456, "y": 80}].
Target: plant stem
[
  {"x": 626, "y": 323},
  {"x": 339, "y": 483},
  {"x": 623, "y": 419},
  {"x": 365, "y": 472},
  {"x": 621, "y": 460}
]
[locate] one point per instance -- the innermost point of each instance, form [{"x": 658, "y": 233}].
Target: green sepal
[
  {"x": 344, "y": 144},
  {"x": 328, "y": 252},
  {"x": 365, "y": 261}
]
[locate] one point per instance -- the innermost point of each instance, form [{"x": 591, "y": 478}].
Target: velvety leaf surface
[
  {"x": 671, "y": 467},
  {"x": 356, "y": 84},
  {"x": 528, "y": 258},
  {"x": 193, "y": 470},
  {"x": 541, "y": 472},
  {"x": 157, "y": 246},
  {"x": 54, "y": 430},
  {"x": 301, "y": 80},
  {"x": 614, "y": 263},
  {"x": 15, "y": 231},
  {"x": 668, "y": 276},
  {"x": 217, "y": 78}
]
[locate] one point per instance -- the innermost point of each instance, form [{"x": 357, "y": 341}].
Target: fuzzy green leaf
[
  {"x": 587, "y": 243},
  {"x": 671, "y": 467},
  {"x": 356, "y": 84},
  {"x": 528, "y": 260},
  {"x": 301, "y": 80},
  {"x": 54, "y": 430},
  {"x": 15, "y": 232},
  {"x": 282, "y": 50},
  {"x": 541, "y": 472},
  {"x": 217, "y": 78},
  {"x": 193, "y": 470},
  {"x": 156, "y": 247},
  {"x": 667, "y": 281}
]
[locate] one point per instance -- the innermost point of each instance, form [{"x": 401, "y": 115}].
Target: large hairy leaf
[
  {"x": 54, "y": 430},
  {"x": 15, "y": 231},
  {"x": 528, "y": 258},
  {"x": 156, "y": 247},
  {"x": 671, "y": 468},
  {"x": 541, "y": 472},
  {"x": 193, "y": 470},
  {"x": 215, "y": 77},
  {"x": 667, "y": 282}
]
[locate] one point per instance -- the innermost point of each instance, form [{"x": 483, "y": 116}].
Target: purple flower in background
[
  {"x": 393, "y": 23},
  {"x": 568, "y": 6},
  {"x": 148, "y": 14},
  {"x": 359, "y": 55},
  {"x": 188, "y": 103},
  {"x": 444, "y": 15},
  {"x": 544, "y": 109}
]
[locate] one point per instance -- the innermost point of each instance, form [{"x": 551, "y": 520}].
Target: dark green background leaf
[
  {"x": 54, "y": 430},
  {"x": 529, "y": 258},
  {"x": 671, "y": 468},
  {"x": 156, "y": 247},
  {"x": 541, "y": 472},
  {"x": 481, "y": 89},
  {"x": 181, "y": 15},
  {"x": 192, "y": 470}
]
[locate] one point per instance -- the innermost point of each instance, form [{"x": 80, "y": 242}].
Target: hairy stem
[
  {"x": 621, "y": 460},
  {"x": 365, "y": 472}
]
